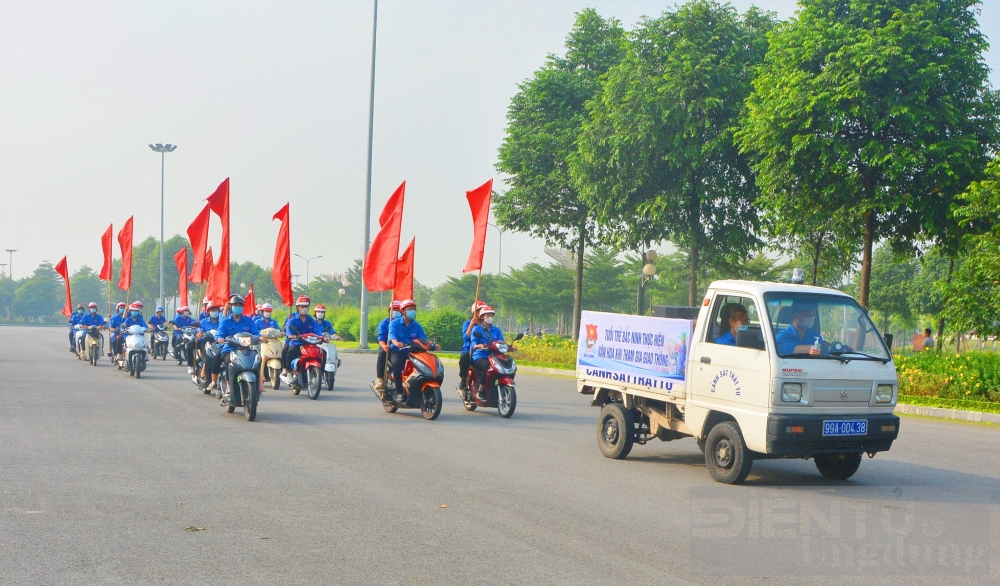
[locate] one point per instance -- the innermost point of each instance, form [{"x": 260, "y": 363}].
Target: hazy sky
[{"x": 275, "y": 96}]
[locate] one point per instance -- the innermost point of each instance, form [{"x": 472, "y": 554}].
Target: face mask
[
  {"x": 187, "y": 314},
  {"x": 93, "y": 311},
  {"x": 135, "y": 314},
  {"x": 267, "y": 315},
  {"x": 320, "y": 315},
  {"x": 237, "y": 310},
  {"x": 213, "y": 314},
  {"x": 411, "y": 313},
  {"x": 489, "y": 320},
  {"x": 809, "y": 321},
  {"x": 121, "y": 311},
  {"x": 303, "y": 311},
  {"x": 396, "y": 314},
  {"x": 80, "y": 311}
]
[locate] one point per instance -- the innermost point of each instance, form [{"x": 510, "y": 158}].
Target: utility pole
[
  {"x": 163, "y": 149},
  {"x": 363, "y": 338}
]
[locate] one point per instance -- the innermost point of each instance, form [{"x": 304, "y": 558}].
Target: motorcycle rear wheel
[
  {"x": 430, "y": 403},
  {"x": 314, "y": 382},
  {"x": 330, "y": 379},
  {"x": 389, "y": 406}
]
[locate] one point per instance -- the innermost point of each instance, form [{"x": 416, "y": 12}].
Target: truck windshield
[{"x": 811, "y": 325}]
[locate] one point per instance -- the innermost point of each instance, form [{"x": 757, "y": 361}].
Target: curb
[{"x": 955, "y": 414}]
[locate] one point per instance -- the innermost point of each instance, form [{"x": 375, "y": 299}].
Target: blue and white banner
[{"x": 646, "y": 351}]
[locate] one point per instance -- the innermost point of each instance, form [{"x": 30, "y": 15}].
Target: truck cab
[{"x": 773, "y": 370}]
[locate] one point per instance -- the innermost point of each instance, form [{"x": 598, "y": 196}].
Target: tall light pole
[
  {"x": 363, "y": 338},
  {"x": 163, "y": 149},
  {"x": 308, "y": 260},
  {"x": 11, "y": 252},
  {"x": 499, "y": 250}
]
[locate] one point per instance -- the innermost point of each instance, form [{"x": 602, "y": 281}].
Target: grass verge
[{"x": 964, "y": 405}]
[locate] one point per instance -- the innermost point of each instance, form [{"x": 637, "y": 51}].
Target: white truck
[{"x": 760, "y": 370}]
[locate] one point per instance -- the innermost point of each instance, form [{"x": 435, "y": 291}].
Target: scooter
[
  {"x": 93, "y": 341},
  {"x": 307, "y": 369},
  {"x": 159, "y": 341},
  {"x": 499, "y": 391},
  {"x": 422, "y": 378},
  {"x": 331, "y": 366},
  {"x": 134, "y": 357},
  {"x": 245, "y": 360},
  {"x": 181, "y": 339},
  {"x": 79, "y": 341},
  {"x": 270, "y": 354},
  {"x": 208, "y": 352}
]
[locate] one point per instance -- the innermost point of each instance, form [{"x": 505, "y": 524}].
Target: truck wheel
[
  {"x": 837, "y": 466},
  {"x": 726, "y": 454},
  {"x": 615, "y": 431}
]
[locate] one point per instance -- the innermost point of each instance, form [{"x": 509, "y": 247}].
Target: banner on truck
[{"x": 634, "y": 349}]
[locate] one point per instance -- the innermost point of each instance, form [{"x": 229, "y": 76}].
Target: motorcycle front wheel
[
  {"x": 250, "y": 397},
  {"x": 275, "y": 374},
  {"x": 430, "y": 403},
  {"x": 314, "y": 382},
  {"x": 506, "y": 401}
]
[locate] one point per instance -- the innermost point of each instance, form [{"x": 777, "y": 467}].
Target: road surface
[{"x": 101, "y": 475}]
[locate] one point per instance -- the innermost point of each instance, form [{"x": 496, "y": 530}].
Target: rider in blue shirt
[
  {"x": 92, "y": 318},
  {"x": 74, "y": 320},
  {"x": 211, "y": 322},
  {"x": 326, "y": 328},
  {"x": 134, "y": 317},
  {"x": 465, "y": 358},
  {"x": 402, "y": 331},
  {"x": 158, "y": 321},
  {"x": 382, "y": 336},
  {"x": 297, "y": 325},
  {"x": 265, "y": 320},
  {"x": 233, "y": 324},
  {"x": 114, "y": 325},
  {"x": 183, "y": 320},
  {"x": 482, "y": 336},
  {"x": 799, "y": 337}
]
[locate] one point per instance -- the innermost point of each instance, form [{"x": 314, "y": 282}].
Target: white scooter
[
  {"x": 136, "y": 351},
  {"x": 332, "y": 364}
]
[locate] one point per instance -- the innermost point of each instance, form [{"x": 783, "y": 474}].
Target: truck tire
[
  {"x": 615, "y": 431},
  {"x": 837, "y": 466},
  {"x": 726, "y": 454}
]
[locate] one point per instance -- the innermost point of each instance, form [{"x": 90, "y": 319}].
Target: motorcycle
[
  {"x": 331, "y": 366},
  {"x": 499, "y": 391},
  {"x": 134, "y": 357},
  {"x": 159, "y": 341},
  {"x": 422, "y": 378},
  {"x": 270, "y": 354},
  {"x": 182, "y": 337},
  {"x": 93, "y": 341},
  {"x": 307, "y": 369},
  {"x": 202, "y": 356},
  {"x": 245, "y": 360},
  {"x": 79, "y": 341}
]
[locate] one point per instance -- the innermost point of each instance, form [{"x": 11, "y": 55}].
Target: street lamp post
[
  {"x": 648, "y": 270},
  {"x": 10, "y": 271},
  {"x": 341, "y": 292},
  {"x": 308, "y": 260},
  {"x": 363, "y": 338},
  {"x": 163, "y": 149},
  {"x": 499, "y": 250}
]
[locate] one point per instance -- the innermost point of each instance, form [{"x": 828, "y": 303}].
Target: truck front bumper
[{"x": 784, "y": 438}]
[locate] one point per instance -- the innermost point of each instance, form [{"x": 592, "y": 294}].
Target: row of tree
[{"x": 729, "y": 134}]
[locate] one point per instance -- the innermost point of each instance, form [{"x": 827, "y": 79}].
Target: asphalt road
[{"x": 101, "y": 474}]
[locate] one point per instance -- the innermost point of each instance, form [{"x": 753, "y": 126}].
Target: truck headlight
[
  {"x": 883, "y": 393},
  {"x": 791, "y": 392}
]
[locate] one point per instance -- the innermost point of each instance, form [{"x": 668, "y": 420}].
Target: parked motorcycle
[
  {"x": 183, "y": 337},
  {"x": 159, "y": 341},
  {"x": 422, "y": 378},
  {"x": 94, "y": 343},
  {"x": 331, "y": 366},
  {"x": 245, "y": 360},
  {"x": 500, "y": 389},
  {"x": 307, "y": 369},
  {"x": 134, "y": 358},
  {"x": 270, "y": 354}
]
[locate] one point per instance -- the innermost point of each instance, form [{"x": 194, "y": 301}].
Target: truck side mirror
[{"x": 749, "y": 339}]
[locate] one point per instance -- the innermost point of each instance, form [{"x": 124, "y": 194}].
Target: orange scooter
[{"x": 422, "y": 378}]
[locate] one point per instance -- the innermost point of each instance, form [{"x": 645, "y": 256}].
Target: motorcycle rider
[
  {"x": 265, "y": 321},
  {"x": 297, "y": 325},
  {"x": 483, "y": 335},
  {"x": 157, "y": 322},
  {"x": 74, "y": 320},
  {"x": 204, "y": 309},
  {"x": 465, "y": 358},
  {"x": 134, "y": 318},
  {"x": 92, "y": 318},
  {"x": 234, "y": 323},
  {"x": 183, "y": 320},
  {"x": 211, "y": 322},
  {"x": 116, "y": 342},
  {"x": 402, "y": 331},
  {"x": 383, "y": 344}
]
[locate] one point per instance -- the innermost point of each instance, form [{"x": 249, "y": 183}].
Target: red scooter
[
  {"x": 499, "y": 391},
  {"x": 308, "y": 367}
]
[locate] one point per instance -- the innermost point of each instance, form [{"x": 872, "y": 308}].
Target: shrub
[
  {"x": 445, "y": 323},
  {"x": 970, "y": 376},
  {"x": 555, "y": 351},
  {"x": 348, "y": 323}
]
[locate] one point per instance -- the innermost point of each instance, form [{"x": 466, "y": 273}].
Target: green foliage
[
  {"x": 41, "y": 296},
  {"x": 446, "y": 324},
  {"x": 347, "y": 323},
  {"x": 547, "y": 351},
  {"x": 459, "y": 293},
  {"x": 981, "y": 406},
  {"x": 969, "y": 376},
  {"x": 86, "y": 286}
]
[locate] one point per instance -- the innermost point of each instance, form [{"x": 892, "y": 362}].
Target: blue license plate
[{"x": 845, "y": 427}]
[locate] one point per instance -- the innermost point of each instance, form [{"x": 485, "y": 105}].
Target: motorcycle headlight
[
  {"x": 791, "y": 392},
  {"x": 421, "y": 368},
  {"x": 245, "y": 341},
  {"x": 883, "y": 393}
]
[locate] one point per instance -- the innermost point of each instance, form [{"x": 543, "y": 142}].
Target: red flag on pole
[
  {"x": 125, "y": 245},
  {"x": 219, "y": 201},
  {"x": 209, "y": 275},
  {"x": 404, "y": 275},
  {"x": 281, "y": 270},
  {"x": 198, "y": 236},
  {"x": 479, "y": 203},
  {"x": 64, "y": 273},
  {"x": 181, "y": 260},
  {"x": 250, "y": 303},
  {"x": 106, "y": 247},
  {"x": 380, "y": 265}
]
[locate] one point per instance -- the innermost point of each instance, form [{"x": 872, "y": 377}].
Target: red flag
[
  {"x": 181, "y": 260},
  {"x": 125, "y": 244},
  {"x": 198, "y": 236},
  {"x": 209, "y": 275},
  {"x": 281, "y": 270},
  {"x": 106, "y": 247},
  {"x": 404, "y": 275},
  {"x": 479, "y": 203},
  {"x": 219, "y": 201},
  {"x": 380, "y": 264},
  {"x": 250, "y": 302},
  {"x": 64, "y": 273}
]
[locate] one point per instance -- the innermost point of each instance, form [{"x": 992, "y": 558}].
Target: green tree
[
  {"x": 892, "y": 285},
  {"x": 544, "y": 122},
  {"x": 657, "y": 159},
  {"x": 460, "y": 292},
  {"x": 604, "y": 286},
  {"x": 41, "y": 296},
  {"x": 878, "y": 111},
  {"x": 7, "y": 288},
  {"x": 86, "y": 286}
]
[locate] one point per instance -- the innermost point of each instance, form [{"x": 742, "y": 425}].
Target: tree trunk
[
  {"x": 578, "y": 284},
  {"x": 940, "y": 336},
  {"x": 816, "y": 251},
  {"x": 693, "y": 276},
  {"x": 866, "y": 260}
]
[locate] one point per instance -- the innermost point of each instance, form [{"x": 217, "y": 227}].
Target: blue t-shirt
[
  {"x": 788, "y": 338},
  {"x": 228, "y": 327},
  {"x": 116, "y": 321},
  {"x": 157, "y": 320},
  {"x": 481, "y": 335},
  {"x": 382, "y": 334},
  {"x": 207, "y": 325},
  {"x": 297, "y": 326},
  {"x": 75, "y": 319},
  {"x": 466, "y": 341},
  {"x": 398, "y": 330},
  {"x": 266, "y": 322},
  {"x": 183, "y": 322},
  {"x": 134, "y": 321},
  {"x": 325, "y": 327},
  {"x": 93, "y": 320},
  {"x": 727, "y": 339}
]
